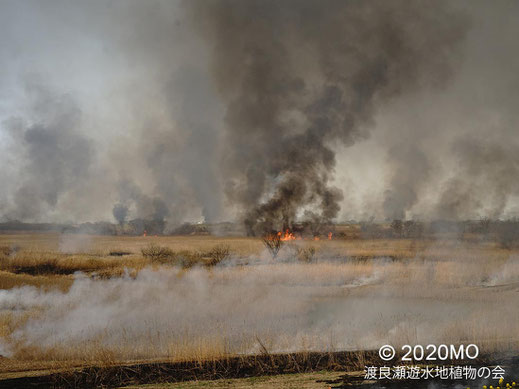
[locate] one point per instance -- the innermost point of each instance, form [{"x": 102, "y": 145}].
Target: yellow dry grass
[
  {"x": 38, "y": 260},
  {"x": 10, "y": 280},
  {"x": 398, "y": 248},
  {"x": 41, "y": 261},
  {"x": 102, "y": 245}
]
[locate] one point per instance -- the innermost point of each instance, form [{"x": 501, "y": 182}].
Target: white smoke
[
  {"x": 74, "y": 243},
  {"x": 287, "y": 307}
]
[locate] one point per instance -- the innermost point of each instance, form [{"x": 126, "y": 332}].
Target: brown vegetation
[
  {"x": 35, "y": 260},
  {"x": 273, "y": 243},
  {"x": 186, "y": 258},
  {"x": 229, "y": 367}
]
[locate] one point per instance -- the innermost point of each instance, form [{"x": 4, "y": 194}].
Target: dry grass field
[{"x": 70, "y": 301}]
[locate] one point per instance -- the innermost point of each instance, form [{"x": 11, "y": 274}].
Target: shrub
[
  {"x": 273, "y": 243},
  {"x": 157, "y": 253},
  {"x": 413, "y": 229},
  {"x": 397, "y": 227},
  {"x": 217, "y": 254},
  {"x": 186, "y": 258}
]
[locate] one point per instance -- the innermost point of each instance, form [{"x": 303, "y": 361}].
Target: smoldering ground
[
  {"x": 257, "y": 111},
  {"x": 172, "y": 313}
]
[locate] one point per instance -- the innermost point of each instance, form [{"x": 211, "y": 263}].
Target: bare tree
[{"x": 273, "y": 243}]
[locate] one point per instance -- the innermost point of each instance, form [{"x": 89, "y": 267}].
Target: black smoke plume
[
  {"x": 277, "y": 112},
  {"x": 300, "y": 77},
  {"x": 120, "y": 212}
]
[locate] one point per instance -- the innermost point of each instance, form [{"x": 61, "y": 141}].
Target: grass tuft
[{"x": 305, "y": 254}]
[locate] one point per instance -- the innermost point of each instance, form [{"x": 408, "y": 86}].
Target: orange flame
[
  {"x": 330, "y": 234},
  {"x": 286, "y": 236},
  {"x": 145, "y": 233}
]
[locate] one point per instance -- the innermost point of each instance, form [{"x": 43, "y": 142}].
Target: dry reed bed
[
  {"x": 381, "y": 280},
  {"x": 441, "y": 272}
]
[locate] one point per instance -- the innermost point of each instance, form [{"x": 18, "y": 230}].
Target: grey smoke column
[
  {"x": 302, "y": 76},
  {"x": 56, "y": 155},
  {"x": 120, "y": 212},
  {"x": 411, "y": 169},
  {"x": 486, "y": 174}
]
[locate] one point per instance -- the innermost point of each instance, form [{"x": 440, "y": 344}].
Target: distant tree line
[{"x": 504, "y": 232}]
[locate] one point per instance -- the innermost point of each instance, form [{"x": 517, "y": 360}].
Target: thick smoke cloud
[
  {"x": 263, "y": 111},
  {"x": 450, "y": 153},
  {"x": 301, "y": 76}
]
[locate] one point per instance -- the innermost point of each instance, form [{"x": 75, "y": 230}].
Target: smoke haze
[
  {"x": 286, "y": 307},
  {"x": 258, "y": 111}
]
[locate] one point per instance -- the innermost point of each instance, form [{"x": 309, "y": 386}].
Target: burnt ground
[{"x": 247, "y": 366}]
